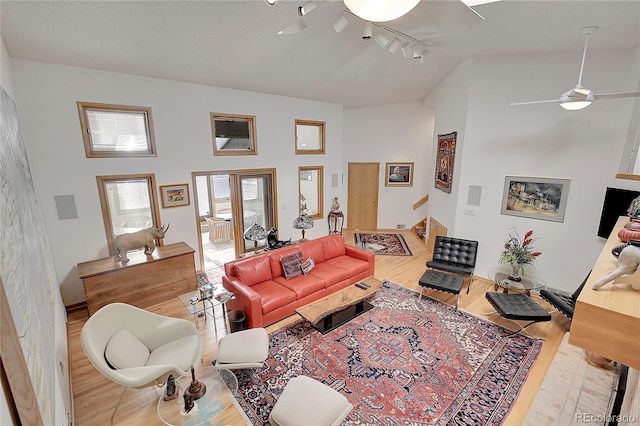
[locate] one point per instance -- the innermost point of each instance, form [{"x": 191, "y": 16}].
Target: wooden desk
[
  {"x": 607, "y": 321},
  {"x": 143, "y": 281}
]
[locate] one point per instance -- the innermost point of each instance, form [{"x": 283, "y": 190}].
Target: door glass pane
[
  {"x": 202, "y": 192},
  {"x": 256, "y": 197}
]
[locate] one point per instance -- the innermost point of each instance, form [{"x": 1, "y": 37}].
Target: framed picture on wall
[
  {"x": 399, "y": 174},
  {"x": 535, "y": 198},
  {"x": 445, "y": 158},
  {"x": 175, "y": 195}
]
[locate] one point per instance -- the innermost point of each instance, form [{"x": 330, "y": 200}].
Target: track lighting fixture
[
  {"x": 417, "y": 52},
  {"x": 296, "y": 27},
  {"x": 367, "y": 30},
  {"x": 306, "y": 8},
  {"x": 270, "y": 2},
  {"x": 395, "y": 45},
  {"x": 406, "y": 49},
  {"x": 340, "y": 24},
  {"x": 382, "y": 40}
]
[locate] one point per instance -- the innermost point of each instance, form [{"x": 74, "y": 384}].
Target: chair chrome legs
[{"x": 113, "y": 415}]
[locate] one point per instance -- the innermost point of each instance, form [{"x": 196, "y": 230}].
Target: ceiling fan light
[
  {"x": 382, "y": 40},
  {"x": 380, "y": 10},
  {"x": 340, "y": 24},
  {"x": 574, "y": 105},
  {"x": 306, "y": 8}
]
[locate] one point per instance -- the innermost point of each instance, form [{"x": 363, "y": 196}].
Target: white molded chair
[
  {"x": 306, "y": 401},
  {"x": 243, "y": 349},
  {"x": 136, "y": 348}
]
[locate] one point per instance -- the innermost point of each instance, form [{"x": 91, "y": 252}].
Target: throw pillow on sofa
[
  {"x": 307, "y": 266},
  {"x": 291, "y": 264}
]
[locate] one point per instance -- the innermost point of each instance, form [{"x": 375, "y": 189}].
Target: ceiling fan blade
[
  {"x": 535, "y": 102},
  {"x": 616, "y": 95}
]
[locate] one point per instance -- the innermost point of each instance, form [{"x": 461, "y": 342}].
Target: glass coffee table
[
  {"x": 222, "y": 386},
  {"x": 529, "y": 282}
]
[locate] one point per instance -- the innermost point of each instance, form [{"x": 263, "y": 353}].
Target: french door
[{"x": 238, "y": 199}]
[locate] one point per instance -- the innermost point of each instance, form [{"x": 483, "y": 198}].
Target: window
[
  {"x": 233, "y": 134},
  {"x": 310, "y": 180},
  {"x": 128, "y": 203},
  {"x": 310, "y": 137},
  {"x": 116, "y": 130}
]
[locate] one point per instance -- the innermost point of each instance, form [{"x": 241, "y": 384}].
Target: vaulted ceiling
[{"x": 235, "y": 43}]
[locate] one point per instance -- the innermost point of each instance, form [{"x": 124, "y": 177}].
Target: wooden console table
[
  {"x": 607, "y": 321},
  {"x": 143, "y": 281}
]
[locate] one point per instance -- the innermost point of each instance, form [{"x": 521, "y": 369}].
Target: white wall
[
  {"x": 51, "y": 367},
  {"x": 392, "y": 133},
  {"x": 46, "y": 98},
  {"x": 539, "y": 141}
]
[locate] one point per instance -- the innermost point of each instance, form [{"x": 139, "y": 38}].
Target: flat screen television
[{"x": 616, "y": 203}]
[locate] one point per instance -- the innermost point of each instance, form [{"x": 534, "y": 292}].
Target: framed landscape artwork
[
  {"x": 445, "y": 158},
  {"x": 399, "y": 174},
  {"x": 536, "y": 198},
  {"x": 175, "y": 195}
]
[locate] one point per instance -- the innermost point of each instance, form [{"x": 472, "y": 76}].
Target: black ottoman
[
  {"x": 518, "y": 306},
  {"x": 441, "y": 281}
]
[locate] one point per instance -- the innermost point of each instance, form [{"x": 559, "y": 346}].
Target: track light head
[
  {"x": 296, "y": 27},
  {"x": 395, "y": 45},
  {"x": 271, "y": 2},
  {"x": 340, "y": 24},
  {"x": 406, "y": 49},
  {"x": 306, "y": 8},
  {"x": 382, "y": 40},
  {"x": 367, "y": 30}
]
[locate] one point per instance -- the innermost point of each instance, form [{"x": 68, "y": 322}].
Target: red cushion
[
  {"x": 253, "y": 270},
  {"x": 302, "y": 285},
  {"x": 329, "y": 273},
  {"x": 353, "y": 266},
  {"x": 273, "y": 295},
  {"x": 312, "y": 249},
  {"x": 333, "y": 246}
]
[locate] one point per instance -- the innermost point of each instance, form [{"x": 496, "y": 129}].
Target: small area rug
[
  {"x": 389, "y": 244},
  {"x": 405, "y": 362}
]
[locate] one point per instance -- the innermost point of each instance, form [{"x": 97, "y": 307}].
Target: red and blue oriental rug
[
  {"x": 389, "y": 244},
  {"x": 405, "y": 362}
]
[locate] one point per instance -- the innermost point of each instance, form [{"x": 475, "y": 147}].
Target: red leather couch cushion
[{"x": 253, "y": 270}]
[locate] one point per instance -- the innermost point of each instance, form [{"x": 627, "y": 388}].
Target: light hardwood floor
[{"x": 95, "y": 396}]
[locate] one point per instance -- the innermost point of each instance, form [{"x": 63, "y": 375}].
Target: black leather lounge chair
[{"x": 563, "y": 302}]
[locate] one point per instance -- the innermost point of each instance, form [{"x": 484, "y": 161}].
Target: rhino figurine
[{"x": 137, "y": 240}]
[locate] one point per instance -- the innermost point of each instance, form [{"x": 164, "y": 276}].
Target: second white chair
[{"x": 243, "y": 349}]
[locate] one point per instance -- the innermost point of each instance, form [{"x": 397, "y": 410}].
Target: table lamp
[
  {"x": 255, "y": 233},
  {"x": 303, "y": 222}
]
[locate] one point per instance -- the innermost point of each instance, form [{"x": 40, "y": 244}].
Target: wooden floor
[{"x": 95, "y": 396}]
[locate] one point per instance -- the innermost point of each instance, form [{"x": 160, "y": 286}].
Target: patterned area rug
[
  {"x": 390, "y": 244},
  {"x": 405, "y": 362}
]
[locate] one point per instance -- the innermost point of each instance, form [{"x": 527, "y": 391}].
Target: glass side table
[
  {"x": 222, "y": 386},
  {"x": 197, "y": 305},
  {"x": 529, "y": 282}
]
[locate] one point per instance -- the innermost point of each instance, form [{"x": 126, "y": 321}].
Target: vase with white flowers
[{"x": 518, "y": 252}]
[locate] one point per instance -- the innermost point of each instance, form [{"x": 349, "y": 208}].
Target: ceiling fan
[{"x": 580, "y": 97}]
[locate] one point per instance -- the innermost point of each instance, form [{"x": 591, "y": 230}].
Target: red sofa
[{"x": 266, "y": 296}]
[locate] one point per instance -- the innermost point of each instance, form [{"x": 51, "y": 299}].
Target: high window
[
  {"x": 116, "y": 130},
  {"x": 129, "y": 204}
]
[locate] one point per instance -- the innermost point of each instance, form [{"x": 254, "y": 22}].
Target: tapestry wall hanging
[{"x": 445, "y": 157}]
